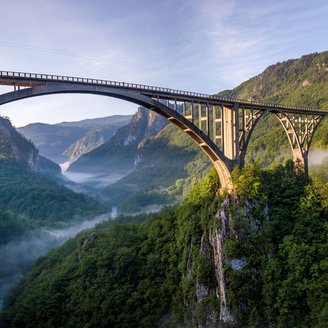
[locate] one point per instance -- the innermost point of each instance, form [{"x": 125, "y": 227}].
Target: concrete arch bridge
[{"x": 221, "y": 126}]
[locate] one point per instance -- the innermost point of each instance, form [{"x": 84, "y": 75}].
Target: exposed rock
[
  {"x": 189, "y": 264},
  {"x": 306, "y": 83},
  {"x": 121, "y": 151},
  {"x": 143, "y": 124},
  {"x": 216, "y": 239},
  {"x": 238, "y": 264},
  {"x": 89, "y": 240},
  {"x": 202, "y": 289},
  {"x": 14, "y": 146}
]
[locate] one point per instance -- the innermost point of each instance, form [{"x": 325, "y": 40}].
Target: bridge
[{"x": 221, "y": 126}]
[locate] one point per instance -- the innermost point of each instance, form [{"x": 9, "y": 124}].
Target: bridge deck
[{"x": 34, "y": 79}]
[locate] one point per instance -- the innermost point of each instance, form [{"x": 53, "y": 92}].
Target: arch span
[
  {"x": 220, "y": 162},
  {"x": 299, "y": 128}
]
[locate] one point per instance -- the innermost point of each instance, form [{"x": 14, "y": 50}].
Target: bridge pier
[
  {"x": 230, "y": 133},
  {"x": 300, "y": 129},
  {"x": 300, "y": 158}
]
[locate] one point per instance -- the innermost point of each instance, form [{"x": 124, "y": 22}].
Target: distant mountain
[
  {"x": 119, "y": 153},
  {"x": 57, "y": 141},
  {"x": 91, "y": 140},
  {"x": 147, "y": 163},
  {"x": 14, "y": 146}
]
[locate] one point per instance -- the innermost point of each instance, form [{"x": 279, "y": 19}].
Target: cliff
[{"x": 14, "y": 146}]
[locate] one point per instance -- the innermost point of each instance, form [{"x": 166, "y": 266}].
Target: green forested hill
[
  {"x": 39, "y": 199},
  {"x": 299, "y": 82},
  {"x": 164, "y": 272},
  {"x": 12, "y": 227}
]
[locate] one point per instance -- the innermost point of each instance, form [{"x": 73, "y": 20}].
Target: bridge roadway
[{"x": 220, "y": 126}]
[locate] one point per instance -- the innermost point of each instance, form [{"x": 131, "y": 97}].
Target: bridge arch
[
  {"x": 299, "y": 128},
  {"x": 220, "y": 162}
]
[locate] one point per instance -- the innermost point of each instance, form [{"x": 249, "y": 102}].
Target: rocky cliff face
[
  {"x": 88, "y": 142},
  {"x": 216, "y": 239},
  {"x": 210, "y": 306},
  {"x": 143, "y": 124},
  {"x": 14, "y": 146}
]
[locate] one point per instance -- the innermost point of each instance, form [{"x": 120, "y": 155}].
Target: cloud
[{"x": 244, "y": 37}]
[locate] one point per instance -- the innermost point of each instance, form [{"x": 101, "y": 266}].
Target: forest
[{"x": 158, "y": 270}]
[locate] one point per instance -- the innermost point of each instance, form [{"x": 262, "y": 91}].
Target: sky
[{"x": 196, "y": 45}]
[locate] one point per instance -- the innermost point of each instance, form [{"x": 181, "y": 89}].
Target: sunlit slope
[{"x": 299, "y": 82}]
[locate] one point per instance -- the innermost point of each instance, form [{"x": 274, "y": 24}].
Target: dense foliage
[
  {"x": 128, "y": 274},
  {"x": 12, "y": 226},
  {"x": 39, "y": 199},
  {"x": 285, "y": 247},
  {"x": 122, "y": 274}
]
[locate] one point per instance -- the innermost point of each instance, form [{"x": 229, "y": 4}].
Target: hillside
[
  {"x": 165, "y": 168},
  {"x": 250, "y": 261},
  {"x": 67, "y": 141},
  {"x": 298, "y": 82}
]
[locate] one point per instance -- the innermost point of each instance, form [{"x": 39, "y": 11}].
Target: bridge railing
[
  {"x": 51, "y": 77},
  {"x": 135, "y": 86}
]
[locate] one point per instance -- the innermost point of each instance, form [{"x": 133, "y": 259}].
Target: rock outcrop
[{"x": 14, "y": 146}]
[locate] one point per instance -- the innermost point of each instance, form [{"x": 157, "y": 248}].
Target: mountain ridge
[{"x": 56, "y": 141}]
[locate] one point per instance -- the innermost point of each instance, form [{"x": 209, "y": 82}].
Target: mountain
[
  {"x": 119, "y": 153},
  {"x": 14, "y": 146},
  {"x": 299, "y": 82},
  {"x": 57, "y": 141},
  {"x": 91, "y": 140},
  {"x": 39, "y": 199},
  {"x": 256, "y": 258},
  {"x": 31, "y": 203}
]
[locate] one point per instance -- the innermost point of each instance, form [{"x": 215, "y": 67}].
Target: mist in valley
[
  {"x": 97, "y": 181},
  {"x": 17, "y": 257},
  {"x": 318, "y": 156}
]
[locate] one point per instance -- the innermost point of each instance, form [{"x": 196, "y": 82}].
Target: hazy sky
[{"x": 196, "y": 45}]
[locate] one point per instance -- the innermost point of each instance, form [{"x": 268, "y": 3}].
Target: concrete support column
[
  {"x": 230, "y": 133},
  {"x": 300, "y": 158},
  {"x": 224, "y": 175}
]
